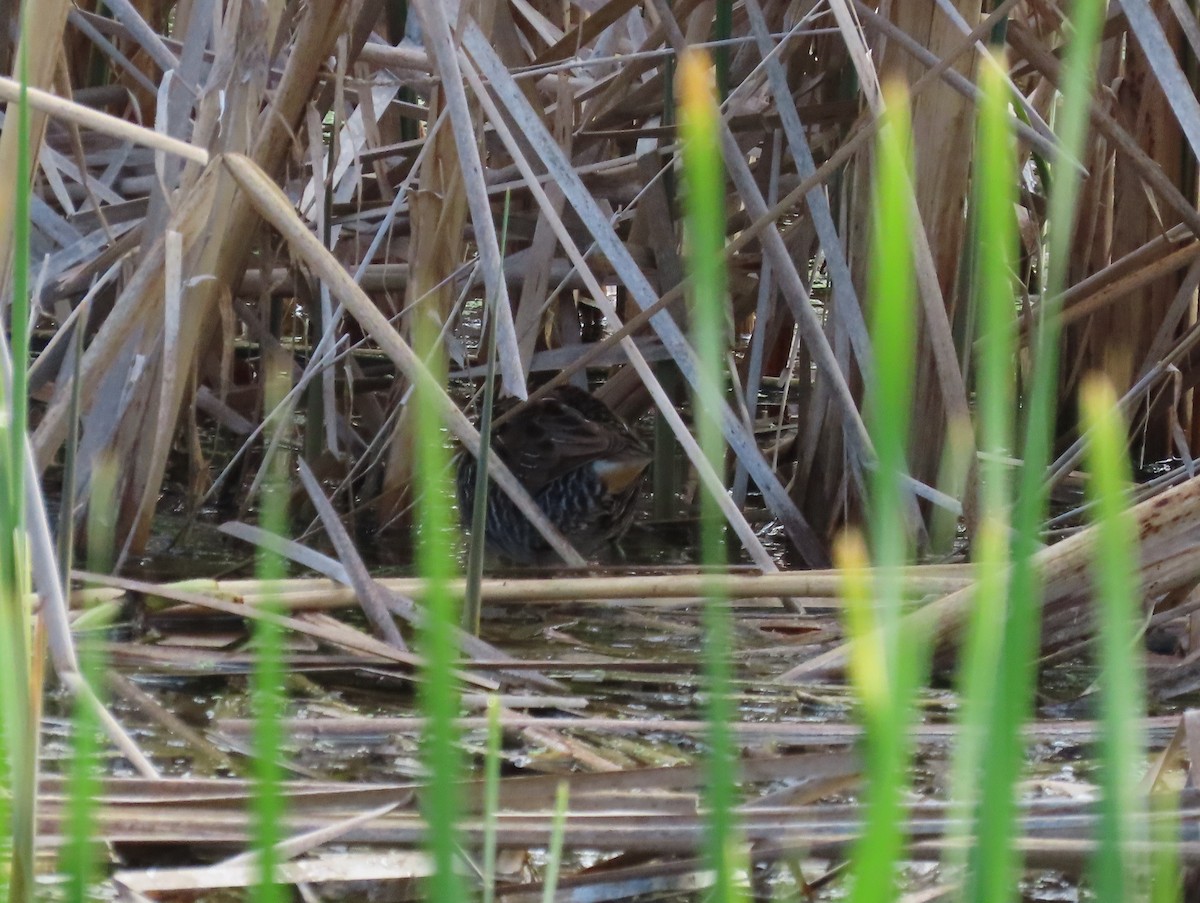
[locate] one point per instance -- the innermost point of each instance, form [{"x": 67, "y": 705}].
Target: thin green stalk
[
  {"x": 439, "y": 692},
  {"x": 491, "y": 798},
  {"x": 102, "y": 514},
  {"x": 722, "y": 31},
  {"x": 705, "y": 231},
  {"x": 558, "y": 831},
  {"x": 18, "y": 755},
  {"x": 66, "y": 525},
  {"x": 1164, "y": 864},
  {"x": 979, "y": 788},
  {"x": 893, "y": 331},
  {"x": 1118, "y": 873},
  {"x": 20, "y": 296},
  {"x": 1014, "y": 691},
  {"x": 472, "y": 601},
  {"x": 888, "y": 652},
  {"x": 266, "y": 686},
  {"x": 79, "y": 859}
]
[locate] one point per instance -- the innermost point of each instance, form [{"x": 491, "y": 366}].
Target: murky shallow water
[{"x": 623, "y": 661}]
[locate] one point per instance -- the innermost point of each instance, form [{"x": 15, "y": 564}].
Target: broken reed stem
[{"x": 320, "y": 593}]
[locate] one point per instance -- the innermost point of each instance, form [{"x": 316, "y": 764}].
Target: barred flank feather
[{"x": 579, "y": 461}]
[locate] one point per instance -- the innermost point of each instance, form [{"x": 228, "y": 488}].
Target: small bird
[{"x": 580, "y": 462}]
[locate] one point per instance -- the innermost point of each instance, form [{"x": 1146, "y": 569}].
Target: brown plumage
[{"x": 580, "y": 462}]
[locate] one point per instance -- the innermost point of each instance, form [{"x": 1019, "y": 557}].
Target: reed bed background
[{"x": 863, "y": 273}]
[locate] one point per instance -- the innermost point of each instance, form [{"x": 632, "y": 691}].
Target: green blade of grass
[
  {"x": 472, "y": 600},
  {"x": 20, "y": 296},
  {"x": 722, "y": 32},
  {"x": 1164, "y": 865},
  {"x": 266, "y": 686},
  {"x": 18, "y": 707},
  {"x": 981, "y": 785},
  {"x": 704, "y": 180},
  {"x": 491, "y": 798},
  {"x": 890, "y": 652},
  {"x": 79, "y": 857},
  {"x": 439, "y": 693},
  {"x": 558, "y": 831},
  {"x": 1117, "y": 872},
  {"x": 1013, "y": 693},
  {"x": 893, "y": 329}
]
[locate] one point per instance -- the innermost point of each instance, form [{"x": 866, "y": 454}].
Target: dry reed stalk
[
  {"x": 1168, "y": 528},
  {"x": 64, "y": 110},
  {"x": 941, "y": 118},
  {"x": 335, "y": 633},
  {"x": 303, "y": 592},
  {"x": 452, "y": 181},
  {"x": 1149, "y": 276}
]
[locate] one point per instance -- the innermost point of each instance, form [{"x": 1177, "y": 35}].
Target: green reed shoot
[
  {"x": 1165, "y": 874},
  {"x": 19, "y": 737},
  {"x": 439, "y": 693},
  {"x": 20, "y": 296},
  {"x": 266, "y": 685},
  {"x": 66, "y": 526},
  {"x": 558, "y": 832},
  {"x": 1021, "y": 637},
  {"x": 705, "y": 231},
  {"x": 101, "y": 532},
  {"x": 1117, "y": 871},
  {"x": 888, "y": 652},
  {"x": 491, "y": 798},
  {"x": 473, "y": 598},
  {"x": 722, "y": 31},
  {"x": 1012, "y": 694},
  {"x": 982, "y": 784},
  {"x": 79, "y": 857}
]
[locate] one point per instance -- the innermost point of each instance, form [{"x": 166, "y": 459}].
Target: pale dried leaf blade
[{"x": 442, "y": 48}]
